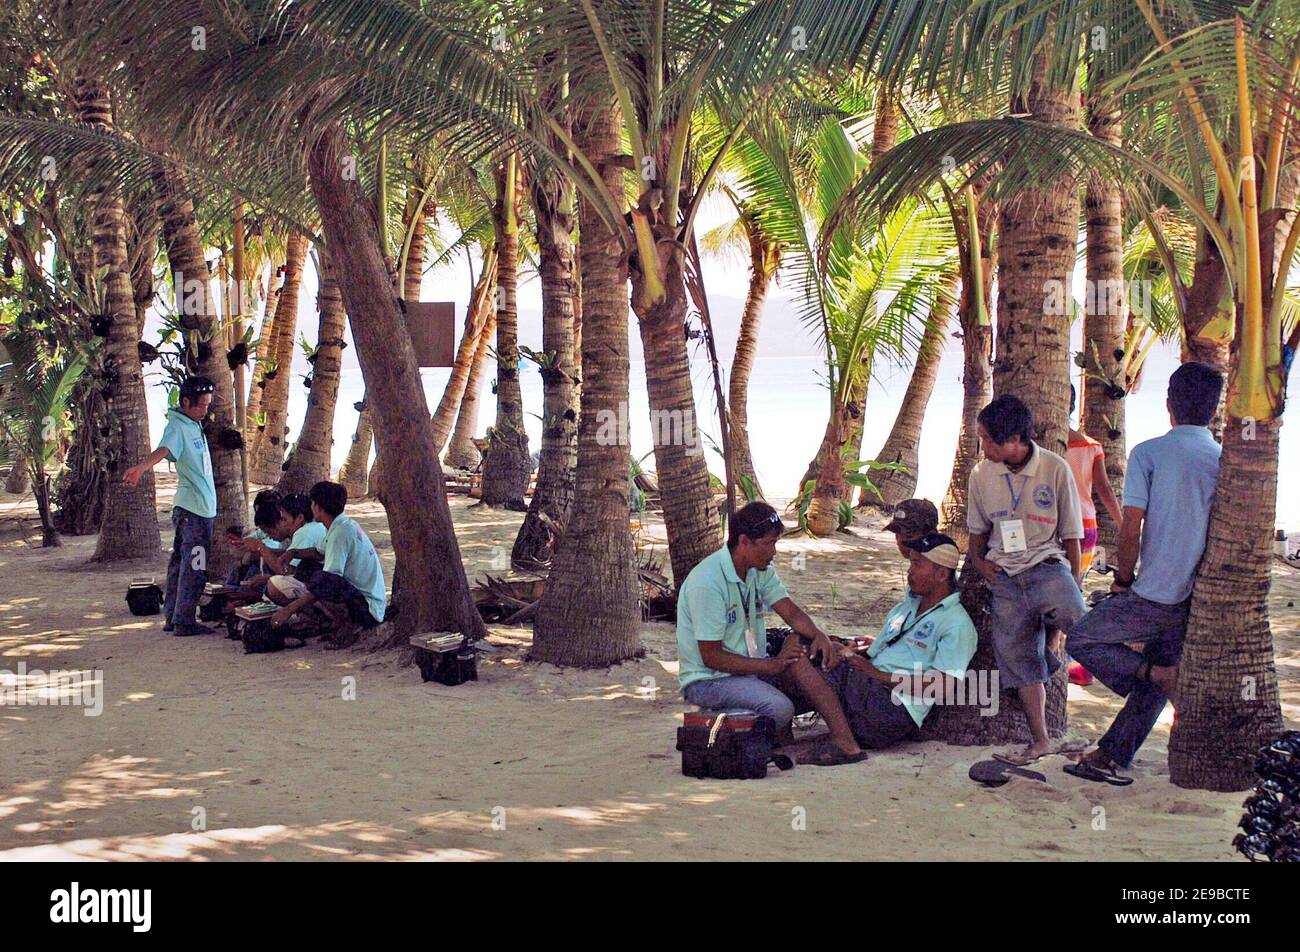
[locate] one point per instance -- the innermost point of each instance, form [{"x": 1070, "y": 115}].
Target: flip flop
[
  {"x": 994, "y": 773},
  {"x": 826, "y": 754},
  {"x": 1016, "y": 760},
  {"x": 1086, "y": 771}
]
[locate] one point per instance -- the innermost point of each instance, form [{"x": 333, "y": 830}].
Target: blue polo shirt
[
  {"x": 1172, "y": 477},
  {"x": 187, "y": 447},
  {"x": 311, "y": 535},
  {"x": 350, "y": 553},
  {"x": 941, "y": 639},
  {"x": 713, "y": 604}
]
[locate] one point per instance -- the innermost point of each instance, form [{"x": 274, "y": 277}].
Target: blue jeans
[
  {"x": 1098, "y": 642},
  {"x": 185, "y": 581},
  {"x": 741, "y": 692},
  {"x": 1022, "y": 605}
]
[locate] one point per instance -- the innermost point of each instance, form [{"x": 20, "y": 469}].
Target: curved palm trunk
[
  {"x": 436, "y": 597},
  {"x": 355, "y": 469},
  {"x": 462, "y": 453},
  {"x": 180, "y": 231},
  {"x": 507, "y": 468},
  {"x": 977, "y": 382},
  {"x": 130, "y": 526},
  {"x": 690, "y": 515},
  {"x": 588, "y": 614},
  {"x": 559, "y": 451},
  {"x": 310, "y": 460},
  {"x": 265, "y": 338},
  {"x": 268, "y": 449},
  {"x": 828, "y": 470},
  {"x": 904, "y": 440},
  {"x": 764, "y": 259},
  {"x": 1105, "y": 321},
  {"x": 476, "y": 318}
]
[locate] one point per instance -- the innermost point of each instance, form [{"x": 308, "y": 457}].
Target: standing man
[
  {"x": 195, "y": 505},
  {"x": 1025, "y": 529},
  {"x": 1167, "y": 495}
]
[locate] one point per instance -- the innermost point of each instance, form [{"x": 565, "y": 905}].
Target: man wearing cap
[
  {"x": 912, "y": 519},
  {"x": 1025, "y": 532},
  {"x": 927, "y": 639},
  {"x": 722, "y": 639},
  {"x": 195, "y": 504}
]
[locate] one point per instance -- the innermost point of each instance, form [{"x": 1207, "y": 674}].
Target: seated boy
[
  {"x": 250, "y": 570},
  {"x": 888, "y": 690},
  {"x": 350, "y": 587},
  {"x": 722, "y": 638},
  {"x": 302, "y": 554}
]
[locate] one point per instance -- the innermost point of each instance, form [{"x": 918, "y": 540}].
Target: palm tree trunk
[
  {"x": 977, "y": 372},
  {"x": 588, "y": 614},
  {"x": 354, "y": 472},
  {"x": 559, "y": 451},
  {"x": 436, "y": 597},
  {"x": 309, "y": 462},
  {"x": 184, "y": 243},
  {"x": 476, "y": 317},
  {"x": 508, "y": 466},
  {"x": 764, "y": 259},
  {"x": 1228, "y": 695},
  {"x": 130, "y": 527},
  {"x": 268, "y": 450},
  {"x": 1105, "y": 322},
  {"x": 904, "y": 440},
  {"x": 18, "y": 479},
  {"x": 265, "y": 338},
  {"x": 830, "y": 489},
  {"x": 462, "y": 453}
]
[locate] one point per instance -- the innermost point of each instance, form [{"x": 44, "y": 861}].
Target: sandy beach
[{"x": 202, "y": 752}]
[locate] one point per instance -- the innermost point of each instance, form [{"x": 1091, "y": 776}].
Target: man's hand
[
  {"x": 987, "y": 570},
  {"x": 791, "y": 650},
  {"x": 132, "y": 476},
  {"x": 822, "y": 649},
  {"x": 282, "y": 616}
]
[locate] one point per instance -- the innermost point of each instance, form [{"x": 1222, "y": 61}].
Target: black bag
[
  {"x": 446, "y": 658},
  {"x": 261, "y": 636},
  {"x": 728, "y": 746},
  {"x": 144, "y": 599}
]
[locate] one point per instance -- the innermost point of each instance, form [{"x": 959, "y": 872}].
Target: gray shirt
[{"x": 1042, "y": 496}]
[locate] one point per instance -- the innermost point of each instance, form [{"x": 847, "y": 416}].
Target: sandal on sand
[
  {"x": 1086, "y": 771},
  {"x": 1018, "y": 759},
  {"x": 826, "y": 754}
]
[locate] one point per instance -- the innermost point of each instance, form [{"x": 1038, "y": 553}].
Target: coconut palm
[{"x": 274, "y": 375}]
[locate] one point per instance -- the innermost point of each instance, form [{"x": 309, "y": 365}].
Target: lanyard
[
  {"x": 915, "y": 621},
  {"x": 1016, "y": 496},
  {"x": 744, "y": 603}
]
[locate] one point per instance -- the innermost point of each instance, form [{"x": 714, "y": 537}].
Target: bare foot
[{"x": 1025, "y": 756}]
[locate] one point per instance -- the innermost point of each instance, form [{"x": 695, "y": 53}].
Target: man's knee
[{"x": 775, "y": 704}]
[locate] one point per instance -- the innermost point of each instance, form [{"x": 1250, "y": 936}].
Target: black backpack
[{"x": 144, "y": 598}]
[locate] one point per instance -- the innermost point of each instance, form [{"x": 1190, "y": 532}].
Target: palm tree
[
  {"x": 265, "y": 338},
  {"x": 461, "y": 452},
  {"x": 309, "y": 461},
  {"x": 354, "y": 472},
  {"x": 276, "y": 375},
  {"x": 35, "y": 389}
]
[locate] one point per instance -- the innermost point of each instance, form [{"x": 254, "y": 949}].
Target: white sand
[{"x": 578, "y": 764}]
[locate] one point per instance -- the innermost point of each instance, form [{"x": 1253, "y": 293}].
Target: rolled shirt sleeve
[
  {"x": 977, "y": 519},
  {"x": 1137, "y": 480},
  {"x": 173, "y": 440},
  {"x": 770, "y": 588}
]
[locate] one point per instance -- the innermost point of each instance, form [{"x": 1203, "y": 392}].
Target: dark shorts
[
  {"x": 1022, "y": 606},
  {"x": 876, "y": 720}
]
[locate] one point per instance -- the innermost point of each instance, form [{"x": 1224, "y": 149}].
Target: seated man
[
  {"x": 302, "y": 555},
  {"x": 722, "y": 638},
  {"x": 888, "y": 690},
  {"x": 912, "y": 519},
  {"x": 1168, "y": 490},
  {"x": 351, "y": 585}
]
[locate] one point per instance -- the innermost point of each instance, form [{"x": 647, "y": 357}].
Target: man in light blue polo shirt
[
  {"x": 1168, "y": 491},
  {"x": 722, "y": 638},
  {"x": 927, "y": 639},
  {"x": 195, "y": 505},
  {"x": 351, "y": 585}
]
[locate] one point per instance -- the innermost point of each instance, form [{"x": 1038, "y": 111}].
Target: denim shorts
[{"x": 1023, "y": 605}]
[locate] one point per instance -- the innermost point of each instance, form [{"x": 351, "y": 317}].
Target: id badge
[
  {"x": 1013, "y": 535},
  {"x": 751, "y": 643}
]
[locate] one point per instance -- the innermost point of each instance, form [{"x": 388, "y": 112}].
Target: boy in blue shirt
[
  {"x": 722, "y": 638},
  {"x": 195, "y": 505},
  {"x": 350, "y": 587},
  {"x": 1168, "y": 491}
]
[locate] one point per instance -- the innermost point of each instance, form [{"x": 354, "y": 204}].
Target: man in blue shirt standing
[
  {"x": 195, "y": 505},
  {"x": 1168, "y": 491},
  {"x": 350, "y": 587}
]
